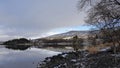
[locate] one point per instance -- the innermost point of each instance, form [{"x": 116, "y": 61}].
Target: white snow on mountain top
[{"x": 69, "y": 35}]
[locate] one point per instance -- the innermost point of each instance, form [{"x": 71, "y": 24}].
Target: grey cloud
[{"x": 29, "y": 18}]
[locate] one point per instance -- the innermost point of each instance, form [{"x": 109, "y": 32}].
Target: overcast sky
[{"x": 38, "y": 18}]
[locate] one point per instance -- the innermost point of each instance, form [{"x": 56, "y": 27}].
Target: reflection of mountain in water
[{"x": 28, "y": 58}]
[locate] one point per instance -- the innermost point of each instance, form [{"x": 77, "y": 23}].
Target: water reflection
[
  {"x": 17, "y": 47},
  {"x": 23, "y": 59}
]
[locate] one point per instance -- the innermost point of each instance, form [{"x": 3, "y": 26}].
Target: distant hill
[
  {"x": 68, "y": 35},
  {"x": 1, "y": 42}
]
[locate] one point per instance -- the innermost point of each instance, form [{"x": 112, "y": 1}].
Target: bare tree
[
  {"x": 77, "y": 43},
  {"x": 105, "y": 16}
]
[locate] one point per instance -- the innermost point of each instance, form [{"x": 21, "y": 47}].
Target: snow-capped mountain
[{"x": 70, "y": 34}]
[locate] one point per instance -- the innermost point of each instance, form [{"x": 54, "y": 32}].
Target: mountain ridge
[{"x": 68, "y": 35}]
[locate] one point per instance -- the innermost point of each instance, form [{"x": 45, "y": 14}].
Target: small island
[{"x": 20, "y": 44}]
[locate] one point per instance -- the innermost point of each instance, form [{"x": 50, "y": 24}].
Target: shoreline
[{"x": 58, "y": 49}]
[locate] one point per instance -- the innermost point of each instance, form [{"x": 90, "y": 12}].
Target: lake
[{"x": 28, "y": 58}]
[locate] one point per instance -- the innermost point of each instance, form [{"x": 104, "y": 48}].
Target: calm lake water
[{"x": 23, "y": 59}]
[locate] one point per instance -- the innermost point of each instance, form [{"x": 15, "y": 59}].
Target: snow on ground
[{"x": 105, "y": 49}]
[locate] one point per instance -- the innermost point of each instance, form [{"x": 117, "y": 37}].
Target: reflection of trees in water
[
  {"x": 18, "y": 44},
  {"x": 17, "y": 47}
]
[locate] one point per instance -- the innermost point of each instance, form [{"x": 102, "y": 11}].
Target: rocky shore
[{"x": 82, "y": 59}]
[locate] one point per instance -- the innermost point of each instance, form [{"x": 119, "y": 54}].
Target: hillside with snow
[{"x": 70, "y": 34}]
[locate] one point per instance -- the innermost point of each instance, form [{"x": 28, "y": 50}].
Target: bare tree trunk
[{"x": 114, "y": 50}]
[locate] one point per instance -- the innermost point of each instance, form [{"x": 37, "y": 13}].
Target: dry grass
[
  {"x": 96, "y": 49},
  {"x": 106, "y": 44},
  {"x": 93, "y": 50}
]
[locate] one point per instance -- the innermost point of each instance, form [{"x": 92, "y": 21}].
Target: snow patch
[{"x": 105, "y": 49}]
